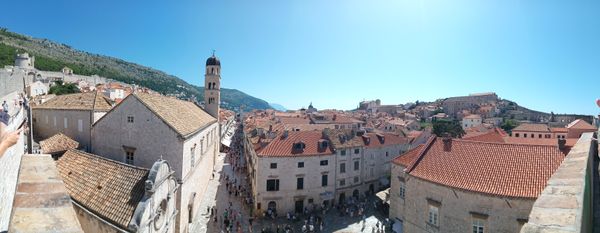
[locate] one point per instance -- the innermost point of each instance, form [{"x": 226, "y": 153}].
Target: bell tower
[{"x": 212, "y": 86}]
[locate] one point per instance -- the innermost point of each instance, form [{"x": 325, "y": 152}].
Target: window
[
  {"x": 324, "y": 162},
  {"x": 539, "y": 136},
  {"x": 324, "y": 180},
  {"x": 54, "y": 121},
  {"x": 356, "y": 165},
  {"x": 193, "y": 155},
  {"x": 129, "y": 119},
  {"x": 273, "y": 165},
  {"x": 342, "y": 168},
  {"x": 300, "y": 164},
  {"x": 433, "y": 215},
  {"x": 273, "y": 185},
  {"x": 343, "y": 152},
  {"x": 356, "y": 179},
  {"x": 356, "y": 151},
  {"x": 478, "y": 225},
  {"x": 65, "y": 123},
  {"x": 129, "y": 157},
  {"x": 387, "y": 154},
  {"x": 300, "y": 183},
  {"x": 342, "y": 182},
  {"x": 80, "y": 125},
  {"x": 402, "y": 190},
  {"x": 517, "y": 135},
  {"x": 524, "y": 135}
]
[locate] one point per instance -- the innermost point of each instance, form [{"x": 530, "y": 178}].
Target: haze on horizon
[{"x": 543, "y": 55}]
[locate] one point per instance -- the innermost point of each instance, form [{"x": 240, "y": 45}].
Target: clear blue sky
[{"x": 544, "y": 54}]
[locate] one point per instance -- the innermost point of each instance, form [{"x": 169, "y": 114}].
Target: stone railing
[{"x": 566, "y": 204}]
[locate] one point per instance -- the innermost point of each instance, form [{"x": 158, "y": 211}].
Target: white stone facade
[{"x": 150, "y": 139}]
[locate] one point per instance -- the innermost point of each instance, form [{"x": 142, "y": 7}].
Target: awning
[
  {"x": 226, "y": 141},
  {"x": 383, "y": 195}
]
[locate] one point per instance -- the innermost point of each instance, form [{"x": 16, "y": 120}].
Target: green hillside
[{"x": 52, "y": 56}]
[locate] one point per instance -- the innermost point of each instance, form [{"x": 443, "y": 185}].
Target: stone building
[
  {"x": 144, "y": 128},
  {"x": 379, "y": 150},
  {"x": 295, "y": 170},
  {"x": 110, "y": 196},
  {"x": 472, "y": 102},
  {"x": 212, "y": 86},
  {"x": 451, "y": 185},
  {"x": 349, "y": 151},
  {"x": 471, "y": 121},
  {"x": 71, "y": 115}
]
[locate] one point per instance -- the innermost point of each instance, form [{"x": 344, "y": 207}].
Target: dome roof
[{"x": 213, "y": 61}]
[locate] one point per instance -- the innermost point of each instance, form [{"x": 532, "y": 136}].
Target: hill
[{"x": 52, "y": 56}]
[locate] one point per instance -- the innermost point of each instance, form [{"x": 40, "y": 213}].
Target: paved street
[{"x": 217, "y": 195}]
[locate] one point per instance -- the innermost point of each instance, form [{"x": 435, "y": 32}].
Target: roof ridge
[
  {"x": 426, "y": 147},
  {"x": 504, "y": 143}
]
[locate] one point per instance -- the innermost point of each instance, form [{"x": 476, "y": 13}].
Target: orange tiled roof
[
  {"x": 502, "y": 169},
  {"x": 79, "y": 101},
  {"x": 283, "y": 146},
  {"x": 384, "y": 139},
  {"x": 58, "y": 143},
  {"x": 495, "y": 135},
  {"x": 105, "y": 187},
  {"x": 528, "y": 127},
  {"x": 182, "y": 116},
  {"x": 580, "y": 124},
  {"x": 570, "y": 142},
  {"x": 559, "y": 130},
  {"x": 408, "y": 157}
]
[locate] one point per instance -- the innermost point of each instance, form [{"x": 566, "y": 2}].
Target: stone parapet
[
  {"x": 565, "y": 205},
  {"x": 41, "y": 202}
]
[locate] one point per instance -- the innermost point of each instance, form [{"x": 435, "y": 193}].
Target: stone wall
[
  {"x": 457, "y": 207},
  {"x": 565, "y": 205},
  {"x": 48, "y": 122},
  {"x": 287, "y": 172},
  {"x": 9, "y": 170}
]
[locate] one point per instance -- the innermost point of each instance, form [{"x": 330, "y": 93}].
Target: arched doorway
[
  {"x": 272, "y": 206},
  {"x": 299, "y": 206},
  {"x": 342, "y": 198},
  {"x": 355, "y": 193}
]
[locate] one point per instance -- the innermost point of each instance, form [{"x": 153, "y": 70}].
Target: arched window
[{"x": 212, "y": 70}]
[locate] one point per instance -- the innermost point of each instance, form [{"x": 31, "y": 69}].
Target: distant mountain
[
  {"x": 52, "y": 56},
  {"x": 278, "y": 107}
]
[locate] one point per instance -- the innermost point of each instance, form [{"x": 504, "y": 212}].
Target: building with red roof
[{"x": 453, "y": 185}]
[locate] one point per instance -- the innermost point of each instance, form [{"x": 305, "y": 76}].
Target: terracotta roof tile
[
  {"x": 408, "y": 157},
  {"x": 493, "y": 168},
  {"x": 580, "y": 124},
  {"x": 284, "y": 146},
  {"x": 108, "y": 188},
  {"x": 78, "y": 101},
  {"x": 58, "y": 143},
  {"x": 183, "y": 116},
  {"x": 532, "y": 127},
  {"x": 372, "y": 140},
  {"x": 343, "y": 138},
  {"x": 494, "y": 135}
]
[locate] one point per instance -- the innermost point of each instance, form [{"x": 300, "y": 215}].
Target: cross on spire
[{"x": 213, "y": 52}]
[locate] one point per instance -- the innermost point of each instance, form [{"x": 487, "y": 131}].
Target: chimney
[
  {"x": 270, "y": 128},
  {"x": 447, "y": 142},
  {"x": 561, "y": 143}
]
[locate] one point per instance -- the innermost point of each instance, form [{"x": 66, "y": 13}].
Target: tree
[
  {"x": 509, "y": 124},
  {"x": 60, "y": 88},
  {"x": 441, "y": 127}
]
